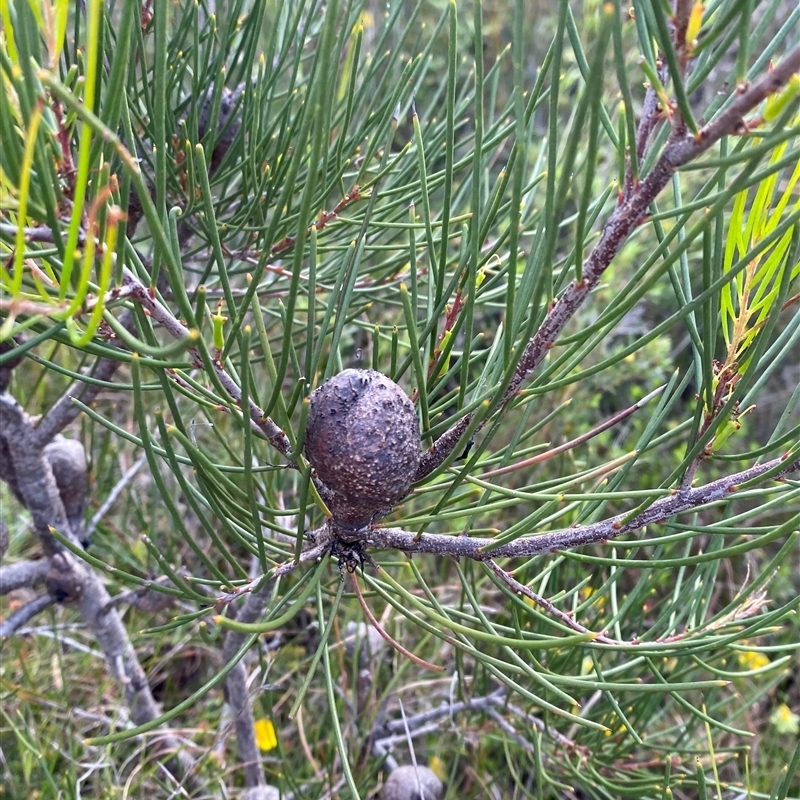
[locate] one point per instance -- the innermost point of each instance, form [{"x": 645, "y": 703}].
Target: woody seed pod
[
  {"x": 68, "y": 462},
  {"x": 412, "y": 783},
  {"x": 363, "y": 440}
]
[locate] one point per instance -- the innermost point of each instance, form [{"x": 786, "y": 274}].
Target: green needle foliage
[{"x": 209, "y": 209}]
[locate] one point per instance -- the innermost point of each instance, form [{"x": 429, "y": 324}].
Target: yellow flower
[
  {"x": 265, "y": 735},
  {"x": 436, "y": 765},
  {"x": 785, "y": 720},
  {"x": 752, "y": 659}
]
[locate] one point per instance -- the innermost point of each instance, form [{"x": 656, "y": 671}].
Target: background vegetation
[{"x": 570, "y": 231}]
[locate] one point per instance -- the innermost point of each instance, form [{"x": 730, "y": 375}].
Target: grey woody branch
[
  {"x": 398, "y": 731},
  {"x": 551, "y": 608},
  {"x": 679, "y": 150},
  {"x": 483, "y": 549},
  {"x": 23, "y": 574},
  {"x": 236, "y": 692},
  {"x": 22, "y": 616},
  {"x": 27, "y": 471},
  {"x": 69, "y": 580}
]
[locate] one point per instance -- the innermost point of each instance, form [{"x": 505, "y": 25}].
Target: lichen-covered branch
[
  {"x": 23, "y": 574},
  {"x": 526, "y": 546},
  {"x": 26, "y": 470},
  {"x": 71, "y": 581}
]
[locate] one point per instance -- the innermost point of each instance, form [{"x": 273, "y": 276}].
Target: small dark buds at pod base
[{"x": 363, "y": 439}]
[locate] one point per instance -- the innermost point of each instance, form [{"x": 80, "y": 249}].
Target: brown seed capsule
[{"x": 363, "y": 440}]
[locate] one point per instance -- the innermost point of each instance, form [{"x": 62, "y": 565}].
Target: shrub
[{"x": 569, "y": 238}]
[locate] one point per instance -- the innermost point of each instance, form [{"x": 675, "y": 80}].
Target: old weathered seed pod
[
  {"x": 262, "y": 793},
  {"x": 412, "y": 783},
  {"x": 68, "y": 462},
  {"x": 363, "y": 440}
]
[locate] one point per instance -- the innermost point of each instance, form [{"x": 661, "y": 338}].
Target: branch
[
  {"x": 397, "y": 731},
  {"x": 121, "y": 658},
  {"x": 69, "y": 580},
  {"x": 33, "y": 480},
  {"x": 7, "y": 367},
  {"x": 114, "y": 494},
  {"x": 161, "y": 314},
  {"x": 40, "y": 233},
  {"x": 418, "y": 721},
  {"x": 11, "y": 624},
  {"x": 680, "y": 149},
  {"x": 236, "y": 687},
  {"x": 236, "y": 693},
  {"x": 322, "y": 540},
  {"x": 483, "y": 549},
  {"x": 23, "y": 575},
  {"x": 145, "y": 598},
  {"x": 584, "y": 437},
  {"x": 562, "y": 616},
  {"x": 651, "y": 114},
  {"x": 384, "y": 634}
]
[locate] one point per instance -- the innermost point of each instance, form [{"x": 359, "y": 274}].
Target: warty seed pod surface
[{"x": 363, "y": 439}]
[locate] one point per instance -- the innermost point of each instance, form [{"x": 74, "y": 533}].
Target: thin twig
[
  {"x": 114, "y": 494},
  {"x": 445, "y": 710},
  {"x": 14, "y": 621},
  {"x": 584, "y": 437},
  {"x": 579, "y": 535},
  {"x": 322, "y": 539},
  {"x": 680, "y": 149},
  {"x": 420, "y": 662},
  {"x": 541, "y": 725},
  {"x": 55, "y": 632},
  {"x": 505, "y": 725},
  {"x": 41, "y": 233},
  {"x": 301, "y": 733},
  {"x": 146, "y": 598},
  {"x": 683, "y": 10},
  {"x": 543, "y": 602},
  {"x": 396, "y": 731},
  {"x": 161, "y": 314}
]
